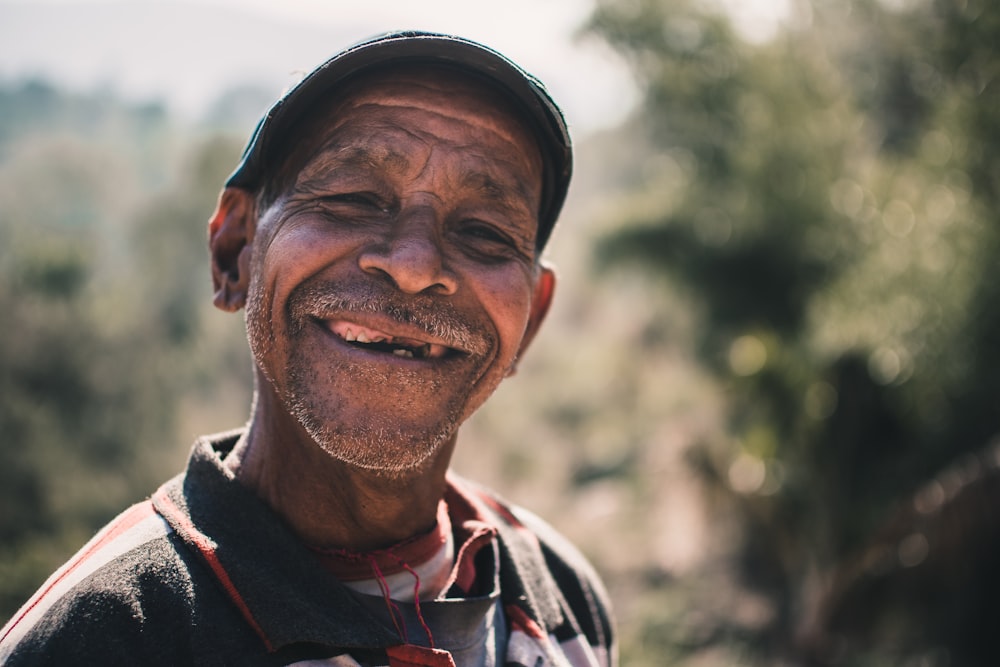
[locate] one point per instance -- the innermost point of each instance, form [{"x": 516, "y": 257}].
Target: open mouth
[{"x": 379, "y": 341}]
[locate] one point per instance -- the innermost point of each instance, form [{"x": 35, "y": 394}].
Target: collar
[
  {"x": 281, "y": 588},
  {"x": 525, "y": 579}
]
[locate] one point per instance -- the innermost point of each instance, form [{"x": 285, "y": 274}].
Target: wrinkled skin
[{"x": 389, "y": 290}]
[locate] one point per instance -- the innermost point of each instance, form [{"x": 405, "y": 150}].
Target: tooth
[
  {"x": 362, "y": 337},
  {"x": 403, "y": 353},
  {"x": 349, "y": 336}
]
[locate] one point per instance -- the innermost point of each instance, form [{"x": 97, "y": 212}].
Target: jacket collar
[{"x": 278, "y": 584}]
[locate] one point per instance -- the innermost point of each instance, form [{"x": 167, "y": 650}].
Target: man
[{"x": 383, "y": 232}]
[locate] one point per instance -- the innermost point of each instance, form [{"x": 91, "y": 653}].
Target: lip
[{"x": 386, "y": 339}]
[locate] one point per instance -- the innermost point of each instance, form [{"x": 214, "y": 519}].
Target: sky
[{"x": 187, "y": 52}]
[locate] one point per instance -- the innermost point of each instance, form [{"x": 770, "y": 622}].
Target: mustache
[{"x": 434, "y": 316}]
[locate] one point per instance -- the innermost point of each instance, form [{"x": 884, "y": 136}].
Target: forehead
[
  {"x": 419, "y": 98},
  {"x": 425, "y": 86}
]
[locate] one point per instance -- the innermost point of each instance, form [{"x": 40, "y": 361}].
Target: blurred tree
[
  {"x": 103, "y": 283},
  {"x": 826, "y": 209}
]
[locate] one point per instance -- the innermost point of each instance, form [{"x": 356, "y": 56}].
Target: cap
[{"x": 527, "y": 93}]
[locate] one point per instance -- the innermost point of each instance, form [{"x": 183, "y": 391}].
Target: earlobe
[
  {"x": 541, "y": 300},
  {"x": 230, "y": 237}
]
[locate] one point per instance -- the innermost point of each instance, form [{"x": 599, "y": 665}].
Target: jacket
[{"x": 204, "y": 573}]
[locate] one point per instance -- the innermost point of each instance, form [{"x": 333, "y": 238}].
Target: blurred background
[{"x": 766, "y": 402}]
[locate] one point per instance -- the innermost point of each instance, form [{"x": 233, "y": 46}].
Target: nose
[{"x": 411, "y": 256}]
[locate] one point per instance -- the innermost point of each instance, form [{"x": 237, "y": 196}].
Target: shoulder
[
  {"x": 561, "y": 554},
  {"x": 103, "y": 600},
  {"x": 575, "y": 577},
  {"x": 534, "y": 544}
]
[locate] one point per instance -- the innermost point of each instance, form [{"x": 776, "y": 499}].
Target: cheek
[
  {"x": 260, "y": 334},
  {"x": 291, "y": 256},
  {"x": 507, "y": 303},
  {"x": 297, "y": 252},
  {"x": 280, "y": 263},
  {"x": 507, "y": 298}
]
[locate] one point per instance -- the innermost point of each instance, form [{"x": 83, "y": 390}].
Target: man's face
[{"x": 392, "y": 283}]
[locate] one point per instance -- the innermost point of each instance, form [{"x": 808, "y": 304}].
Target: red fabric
[
  {"x": 464, "y": 573},
  {"x": 207, "y": 548},
  {"x": 519, "y": 620},
  {"x": 408, "y": 655},
  {"x": 472, "y": 532},
  {"x": 129, "y": 519},
  {"x": 458, "y": 512},
  {"x": 500, "y": 509},
  {"x": 349, "y": 565}
]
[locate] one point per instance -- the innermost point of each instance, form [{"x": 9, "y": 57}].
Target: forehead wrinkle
[
  {"x": 375, "y": 155},
  {"x": 497, "y": 179},
  {"x": 335, "y": 154},
  {"x": 492, "y": 190},
  {"x": 386, "y": 134}
]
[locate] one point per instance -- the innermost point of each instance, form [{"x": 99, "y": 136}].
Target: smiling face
[{"x": 395, "y": 278}]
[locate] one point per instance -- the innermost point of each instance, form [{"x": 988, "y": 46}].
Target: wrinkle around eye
[
  {"x": 302, "y": 210},
  {"x": 368, "y": 200},
  {"x": 350, "y": 212},
  {"x": 490, "y": 242}
]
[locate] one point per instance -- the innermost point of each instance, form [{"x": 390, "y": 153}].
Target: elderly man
[{"x": 383, "y": 232}]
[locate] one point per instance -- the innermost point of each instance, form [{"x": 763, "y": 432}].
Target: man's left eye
[{"x": 486, "y": 233}]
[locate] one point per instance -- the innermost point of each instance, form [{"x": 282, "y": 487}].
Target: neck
[{"x": 327, "y": 502}]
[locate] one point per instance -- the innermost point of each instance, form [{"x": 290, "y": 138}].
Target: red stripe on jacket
[{"x": 206, "y": 546}]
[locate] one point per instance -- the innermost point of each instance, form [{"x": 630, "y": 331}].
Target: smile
[{"x": 380, "y": 341}]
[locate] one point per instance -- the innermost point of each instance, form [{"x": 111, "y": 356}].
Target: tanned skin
[{"x": 410, "y": 225}]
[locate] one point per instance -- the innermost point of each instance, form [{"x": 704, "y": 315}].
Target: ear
[
  {"x": 230, "y": 238},
  {"x": 545, "y": 287}
]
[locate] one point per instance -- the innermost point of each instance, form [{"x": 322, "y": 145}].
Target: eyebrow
[
  {"x": 369, "y": 156},
  {"x": 495, "y": 191}
]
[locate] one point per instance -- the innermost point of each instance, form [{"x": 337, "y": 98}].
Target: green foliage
[
  {"x": 104, "y": 286},
  {"x": 823, "y": 201}
]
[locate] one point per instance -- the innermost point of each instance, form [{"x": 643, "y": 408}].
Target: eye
[
  {"x": 484, "y": 232},
  {"x": 360, "y": 199},
  {"x": 492, "y": 242}
]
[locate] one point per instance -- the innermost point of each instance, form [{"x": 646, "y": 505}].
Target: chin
[
  {"x": 368, "y": 442},
  {"x": 381, "y": 451}
]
